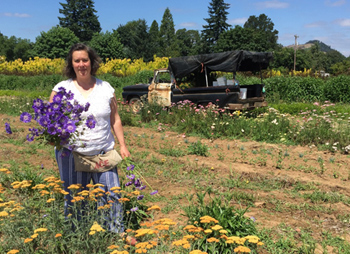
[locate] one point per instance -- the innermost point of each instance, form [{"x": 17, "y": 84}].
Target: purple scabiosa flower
[
  {"x": 134, "y": 209},
  {"x": 129, "y": 183},
  {"x": 62, "y": 89},
  {"x": 43, "y": 121},
  {"x": 70, "y": 95},
  {"x": 30, "y": 137},
  {"x": 90, "y": 122},
  {"x": 137, "y": 183},
  {"x": 57, "y": 98},
  {"x": 56, "y": 106},
  {"x": 38, "y": 105},
  {"x": 140, "y": 197},
  {"x": 87, "y": 106},
  {"x": 131, "y": 177},
  {"x": 8, "y": 128},
  {"x": 68, "y": 108},
  {"x": 51, "y": 129},
  {"x": 70, "y": 126},
  {"x": 154, "y": 192},
  {"x": 131, "y": 167},
  {"x": 25, "y": 117}
]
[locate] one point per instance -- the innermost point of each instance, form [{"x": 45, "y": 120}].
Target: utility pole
[{"x": 295, "y": 50}]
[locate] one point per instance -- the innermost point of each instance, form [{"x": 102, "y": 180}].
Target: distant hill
[{"x": 309, "y": 44}]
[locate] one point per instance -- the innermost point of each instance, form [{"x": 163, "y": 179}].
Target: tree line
[{"x": 135, "y": 39}]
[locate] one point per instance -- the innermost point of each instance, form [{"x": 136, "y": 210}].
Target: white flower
[{"x": 242, "y": 130}]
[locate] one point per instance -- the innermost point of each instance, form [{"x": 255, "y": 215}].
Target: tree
[
  {"x": 13, "y": 48},
  {"x": 54, "y": 43},
  {"x": 107, "y": 45},
  {"x": 154, "y": 39},
  {"x": 263, "y": 31},
  {"x": 238, "y": 38},
  {"x": 189, "y": 41},
  {"x": 135, "y": 38},
  {"x": 216, "y": 24},
  {"x": 168, "y": 47},
  {"x": 79, "y": 16}
]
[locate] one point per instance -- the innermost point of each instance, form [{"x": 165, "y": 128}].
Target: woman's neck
[{"x": 86, "y": 82}]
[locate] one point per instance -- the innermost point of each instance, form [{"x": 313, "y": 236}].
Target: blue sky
[{"x": 324, "y": 20}]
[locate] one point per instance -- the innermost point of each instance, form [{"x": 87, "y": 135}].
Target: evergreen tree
[
  {"x": 154, "y": 39},
  {"x": 79, "y": 16},
  {"x": 168, "y": 46},
  {"x": 216, "y": 24}
]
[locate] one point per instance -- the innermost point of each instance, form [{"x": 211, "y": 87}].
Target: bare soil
[{"x": 250, "y": 162}]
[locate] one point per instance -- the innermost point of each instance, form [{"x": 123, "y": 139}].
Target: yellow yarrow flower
[
  {"x": 197, "y": 252},
  {"x": 213, "y": 239},
  {"x": 242, "y": 249},
  {"x": 216, "y": 227},
  {"x": 154, "y": 207},
  {"x": 208, "y": 231},
  {"x": 40, "y": 230},
  {"x": 3, "y": 214},
  {"x": 27, "y": 240},
  {"x": 13, "y": 252}
]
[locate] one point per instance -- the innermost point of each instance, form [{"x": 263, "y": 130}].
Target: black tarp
[{"x": 230, "y": 61}]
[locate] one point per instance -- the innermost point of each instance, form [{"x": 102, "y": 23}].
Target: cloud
[
  {"x": 335, "y": 3},
  {"x": 16, "y": 15},
  {"x": 343, "y": 22},
  {"x": 274, "y": 4},
  {"x": 188, "y": 24},
  {"x": 239, "y": 21},
  {"x": 315, "y": 24}
]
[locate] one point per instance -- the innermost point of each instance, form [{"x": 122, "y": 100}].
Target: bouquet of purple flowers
[{"x": 58, "y": 119}]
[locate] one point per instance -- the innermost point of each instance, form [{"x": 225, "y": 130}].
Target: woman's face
[{"x": 81, "y": 63}]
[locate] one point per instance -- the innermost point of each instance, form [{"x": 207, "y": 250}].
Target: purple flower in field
[
  {"x": 137, "y": 183},
  {"x": 90, "y": 122},
  {"x": 131, "y": 177},
  {"x": 134, "y": 209},
  {"x": 30, "y": 137},
  {"x": 140, "y": 197},
  {"x": 142, "y": 187},
  {"x": 25, "y": 117},
  {"x": 8, "y": 128},
  {"x": 131, "y": 167},
  {"x": 154, "y": 192},
  {"x": 128, "y": 184}
]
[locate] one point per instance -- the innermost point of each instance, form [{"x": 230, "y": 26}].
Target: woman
[{"x": 82, "y": 65}]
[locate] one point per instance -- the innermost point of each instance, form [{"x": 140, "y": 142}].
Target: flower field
[{"x": 273, "y": 182}]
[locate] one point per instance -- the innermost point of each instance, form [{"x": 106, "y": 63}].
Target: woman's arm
[
  {"x": 53, "y": 93},
  {"x": 117, "y": 127}
]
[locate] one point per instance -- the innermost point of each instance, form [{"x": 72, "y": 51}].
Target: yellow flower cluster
[
  {"x": 95, "y": 228},
  {"x": 142, "y": 247},
  {"x": 21, "y": 185},
  {"x": 34, "y": 66},
  {"x": 117, "y": 67}
]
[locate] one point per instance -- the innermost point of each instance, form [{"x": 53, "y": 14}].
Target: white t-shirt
[{"x": 101, "y": 137}]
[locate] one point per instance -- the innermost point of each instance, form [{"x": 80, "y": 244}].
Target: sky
[{"x": 324, "y": 20}]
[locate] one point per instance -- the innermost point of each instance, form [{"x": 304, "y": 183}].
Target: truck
[{"x": 201, "y": 80}]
